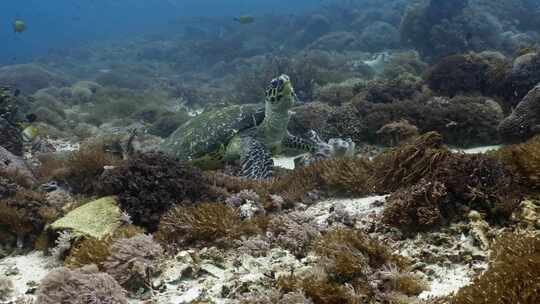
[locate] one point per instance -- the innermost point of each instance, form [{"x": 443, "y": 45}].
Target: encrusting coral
[
  {"x": 134, "y": 261},
  {"x": 80, "y": 286},
  {"x": 148, "y": 185}
]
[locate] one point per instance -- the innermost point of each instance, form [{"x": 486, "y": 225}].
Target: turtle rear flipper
[{"x": 255, "y": 160}]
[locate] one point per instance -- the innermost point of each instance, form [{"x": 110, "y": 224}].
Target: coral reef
[
  {"x": 205, "y": 223},
  {"x": 6, "y": 289},
  {"x": 463, "y": 121},
  {"x": 397, "y": 133},
  {"x": 134, "y": 261},
  {"x": 80, "y": 170},
  {"x": 10, "y": 138},
  {"x": 24, "y": 215},
  {"x": 524, "y": 121},
  {"x": 30, "y": 77},
  {"x": 523, "y": 159},
  {"x": 85, "y": 285},
  {"x": 512, "y": 274},
  {"x": 444, "y": 185},
  {"x": 149, "y": 184}
]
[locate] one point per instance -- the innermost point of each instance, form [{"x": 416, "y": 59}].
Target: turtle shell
[{"x": 209, "y": 131}]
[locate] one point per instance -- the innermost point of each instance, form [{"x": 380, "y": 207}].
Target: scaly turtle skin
[{"x": 244, "y": 132}]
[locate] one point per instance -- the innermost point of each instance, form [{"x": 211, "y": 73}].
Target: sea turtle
[{"x": 248, "y": 133}]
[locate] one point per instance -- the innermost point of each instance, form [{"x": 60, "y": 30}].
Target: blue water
[{"x": 57, "y": 24}]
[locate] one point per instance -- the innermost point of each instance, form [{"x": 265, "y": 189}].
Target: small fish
[
  {"x": 31, "y": 118},
  {"x": 30, "y": 133},
  {"x": 245, "y": 19},
  {"x": 19, "y": 26}
]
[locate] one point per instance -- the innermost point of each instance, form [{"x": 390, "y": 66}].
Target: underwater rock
[
  {"x": 134, "y": 262},
  {"x": 335, "y": 41},
  {"x": 438, "y": 28},
  {"x": 30, "y": 77},
  {"x": 10, "y": 137},
  {"x": 464, "y": 121},
  {"x": 309, "y": 116},
  {"x": 458, "y": 74},
  {"x": 124, "y": 78},
  {"x": 396, "y": 133},
  {"x": 96, "y": 219},
  {"x": 317, "y": 26},
  {"x": 528, "y": 214},
  {"x": 82, "y": 91},
  {"x": 379, "y": 36},
  {"x": 13, "y": 165},
  {"x": 6, "y": 289},
  {"x": 524, "y": 121},
  {"x": 523, "y": 76}
]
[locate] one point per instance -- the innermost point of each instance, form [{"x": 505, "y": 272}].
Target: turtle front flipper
[
  {"x": 255, "y": 160},
  {"x": 298, "y": 143}
]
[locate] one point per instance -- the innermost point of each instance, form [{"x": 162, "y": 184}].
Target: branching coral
[
  {"x": 81, "y": 286},
  {"x": 512, "y": 275},
  {"x": 134, "y": 261},
  {"x": 148, "y": 185}
]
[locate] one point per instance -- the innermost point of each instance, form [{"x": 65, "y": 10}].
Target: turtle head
[{"x": 280, "y": 92}]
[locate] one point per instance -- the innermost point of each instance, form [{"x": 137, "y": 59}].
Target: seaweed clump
[
  {"x": 24, "y": 215},
  {"x": 134, "y": 261},
  {"x": 89, "y": 250},
  {"x": 524, "y": 159},
  {"x": 81, "y": 170},
  {"x": 350, "y": 270},
  {"x": 149, "y": 184},
  {"x": 512, "y": 275},
  {"x": 458, "y": 74},
  {"x": 435, "y": 186},
  {"x": 80, "y": 286},
  {"x": 206, "y": 223}
]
